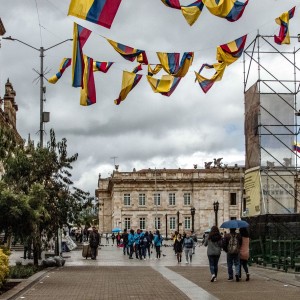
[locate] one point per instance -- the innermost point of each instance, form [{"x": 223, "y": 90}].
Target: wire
[{"x": 37, "y": 10}]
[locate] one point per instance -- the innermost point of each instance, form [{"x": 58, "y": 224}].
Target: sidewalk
[{"x": 114, "y": 276}]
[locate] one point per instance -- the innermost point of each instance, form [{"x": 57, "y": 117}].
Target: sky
[{"x": 147, "y": 130}]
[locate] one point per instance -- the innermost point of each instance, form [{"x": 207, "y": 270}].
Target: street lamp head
[
  {"x": 216, "y": 206},
  {"x": 193, "y": 211}
]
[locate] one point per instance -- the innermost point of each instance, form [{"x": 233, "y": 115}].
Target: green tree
[{"x": 43, "y": 176}]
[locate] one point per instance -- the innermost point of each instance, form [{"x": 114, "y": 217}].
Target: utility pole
[{"x": 43, "y": 117}]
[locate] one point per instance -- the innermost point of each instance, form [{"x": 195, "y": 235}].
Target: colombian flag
[
  {"x": 165, "y": 86},
  {"x": 296, "y": 147},
  {"x": 231, "y": 10},
  {"x": 80, "y": 36},
  {"x": 66, "y": 62},
  {"x": 170, "y": 63},
  {"x": 101, "y": 66},
  {"x": 129, "y": 53},
  {"x": 129, "y": 81},
  {"x": 230, "y": 52},
  {"x": 88, "y": 91},
  {"x": 283, "y": 21},
  {"x": 101, "y": 12}
]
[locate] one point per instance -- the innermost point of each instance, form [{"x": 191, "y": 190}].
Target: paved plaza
[{"x": 114, "y": 276}]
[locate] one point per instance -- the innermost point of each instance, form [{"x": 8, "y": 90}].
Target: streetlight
[
  {"x": 166, "y": 226},
  {"x": 193, "y": 216},
  {"x": 43, "y": 117},
  {"x": 178, "y": 221},
  {"x": 216, "y": 208}
]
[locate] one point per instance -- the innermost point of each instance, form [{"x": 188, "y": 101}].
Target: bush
[
  {"x": 4, "y": 269},
  {"x": 20, "y": 271}
]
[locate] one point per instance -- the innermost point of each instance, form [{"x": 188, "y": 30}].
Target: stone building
[
  {"x": 165, "y": 198},
  {"x": 2, "y": 28}
]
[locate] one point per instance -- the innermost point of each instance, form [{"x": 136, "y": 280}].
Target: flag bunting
[{"x": 66, "y": 62}]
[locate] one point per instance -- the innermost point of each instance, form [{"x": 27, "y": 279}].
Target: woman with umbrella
[{"x": 213, "y": 242}]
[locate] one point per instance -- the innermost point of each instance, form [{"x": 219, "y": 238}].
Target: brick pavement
[{"x": 113, "y": 276}]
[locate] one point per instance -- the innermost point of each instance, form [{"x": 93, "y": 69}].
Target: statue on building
[
  {"x": 217, "y": 162},
  {"x": 207, "y": 164}
]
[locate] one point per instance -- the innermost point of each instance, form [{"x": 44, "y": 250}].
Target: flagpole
[{"x": 41, "y": 50}]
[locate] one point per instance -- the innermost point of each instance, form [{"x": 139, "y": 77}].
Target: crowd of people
[
  {"x": 236, "y": 246},
  {"x": 139, "y": 244}
]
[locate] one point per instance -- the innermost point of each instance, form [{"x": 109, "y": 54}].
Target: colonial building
[
  {"x": 170, "y": 199},
  {"x": 2, "y": 28}
]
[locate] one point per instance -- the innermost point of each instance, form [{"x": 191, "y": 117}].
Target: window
[
  {"x": 143, "y": 223},
  {"x": 157, "y": 223},
  {"x": 172, "y": 223},
  {"x": 157, "y": 199},
  {"x": 171, "y": 198},
  {"x": 126, "y": 199},
  {"x": 142, "y": 199},
  {"x": 187, "y": 199},
  {"x": 127, "y": 223},
  {"x": 187, "y": 222},
  {"x": 232, "y": 198},
  {"x": 232, "y": 218}
]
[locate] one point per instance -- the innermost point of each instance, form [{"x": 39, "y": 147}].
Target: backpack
[
  {"x": 144, "y": 241},
  {"x": 233, "y": 245}
]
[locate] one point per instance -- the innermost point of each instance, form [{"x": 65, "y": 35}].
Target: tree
[{"x": 43, "y": 176}]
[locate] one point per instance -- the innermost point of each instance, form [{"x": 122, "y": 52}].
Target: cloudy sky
[{"x": 147, "y": 130}]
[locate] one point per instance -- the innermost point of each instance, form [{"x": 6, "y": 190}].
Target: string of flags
[{"x": 102, "y": 12}]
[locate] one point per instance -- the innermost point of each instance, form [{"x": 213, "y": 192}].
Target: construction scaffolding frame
[{"x": 271, "y": 86}]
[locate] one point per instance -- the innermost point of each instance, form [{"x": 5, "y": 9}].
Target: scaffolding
[{"x": 271, "y": 87}]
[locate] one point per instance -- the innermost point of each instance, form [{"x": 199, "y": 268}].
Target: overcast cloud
[{"x": 147, "y": 130}]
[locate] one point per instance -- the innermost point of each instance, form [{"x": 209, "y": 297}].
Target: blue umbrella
[
  {"x": 234, "y": 224},
  {"x": 116, "y": 229}
]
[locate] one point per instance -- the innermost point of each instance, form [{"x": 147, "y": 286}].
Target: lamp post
[
  {"x": 178, "y": 221},
  {"x": 216, "y": 208},
  {"x": 166, "y": 226},
  {"x": 41, "y": 50},
  {"x": 193, "y": 217}
]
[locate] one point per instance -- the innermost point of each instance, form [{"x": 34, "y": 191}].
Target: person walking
[
  {"x": 194, "y": 237},
  {"x": 231, "y": 245},
  {"x": 145, "y": 245},
  {"x": 118, "y": 238},
  {"x": 125, "y": 242},
  {"x": 107, "y": 238},
  {"x": 94, "y": 240},
  {"x": 188, "y": 244},
  {"x": 157, "y": 243},
  {"x": 131, "y": 243},
  {"x": 113, "y": 238},
  {"x": 213, "y": 242},
  {"x": 244, "y": 253},
  {"x": 178, "y": 246}
]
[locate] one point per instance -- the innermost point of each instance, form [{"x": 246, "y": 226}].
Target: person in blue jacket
[
  {"x": 130, "y": 243},
  {"x": 137, "y": 245},
  {"x": 157, "y": 243}
]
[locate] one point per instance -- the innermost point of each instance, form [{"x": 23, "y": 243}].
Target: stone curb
[{"x": 24, "y": 285}]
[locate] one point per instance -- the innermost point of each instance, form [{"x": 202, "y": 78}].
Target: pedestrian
[
  {"x": 188, "y": 244},
  {"x": 213, "y": 242},
  {"x": 151, "y": 236},
  {"x": 113, "y": 238},
  {"x": 231, "y": 245},
  {"x": 27, "y": 247},
  {"x": 244, "y": 252},
  {"x": 107, "y": 238},
  {"x": 178, "y": 246},
  {"x": 137, "y": 248},
  {"x": 157, "y": 243},
  {"x": 194, "y": 237},
  {"x": 131, "y": 243},
  {"x": 118, "y": 238},
  {"x": 94, "y": 240},
  {"x": 174, "y": 237},
  {"x": 125, "y": 242}
]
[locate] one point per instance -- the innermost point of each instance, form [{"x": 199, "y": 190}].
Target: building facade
[{"x": 170, "y": 199}]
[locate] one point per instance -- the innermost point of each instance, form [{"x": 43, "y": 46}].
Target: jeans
[
  {"x": 126, "y": 249},
  {"x": 244, "y": 264},
  {"x": 157, "y": 248},
  {"x": 213, "y": 264},
  {"x": 131, "y": 250},
  {"x": 94, "y": 252},
  {"x": 233, "y": 260},
  {"x": 188, "y": 254}
]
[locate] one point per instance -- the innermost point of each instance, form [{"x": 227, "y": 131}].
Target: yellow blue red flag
[
  {"x": 155, "y": 70},
  {"x": 230, "y": 52},
  {"x": 66, "y": 62},
  {"x": 129, "y": 81},
  {"x": 231, "y": 10},
  {"x": 207, "y": 83},
  {"x": 296, "y": 146},
  {"x": 102, "y": 66},
  {"x": 129, "y": 53},
  {"x": 191, "y": 12},
  {"x": 101, "y": 12},
  {"x": 283, "y": 21},
  {"x": 80, "y": 36},
  {"x": 170, "y": 63},
  {"x": 165, "y": 86},
  {"x": 88, "y": 90}
]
